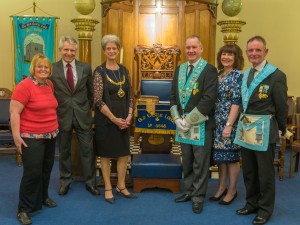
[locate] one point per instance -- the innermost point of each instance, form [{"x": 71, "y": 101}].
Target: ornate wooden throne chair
[{"x": 154, "y": 127}]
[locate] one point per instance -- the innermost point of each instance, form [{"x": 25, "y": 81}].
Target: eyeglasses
[{"x": 42, "y": 67}]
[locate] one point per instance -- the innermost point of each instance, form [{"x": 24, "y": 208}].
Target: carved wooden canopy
[
  {"x": 156, "y": 62},
  {"x": 106, "y": 4}
]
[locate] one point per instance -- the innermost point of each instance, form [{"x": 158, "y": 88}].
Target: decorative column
[
  {"x": 85, "y": 26},
  {"x": 232, "y": 26}
]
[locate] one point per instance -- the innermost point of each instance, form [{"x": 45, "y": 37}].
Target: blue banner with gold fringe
[
  {"x": 32, "y": 35},
  {"x": 160, "y": 122}
]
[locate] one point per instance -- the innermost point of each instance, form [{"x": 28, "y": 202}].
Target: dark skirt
[{"x": 111, "y": 141}]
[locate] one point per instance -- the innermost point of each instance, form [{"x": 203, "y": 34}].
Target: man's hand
[
  {"x": 181, "y": 125},
  {"x": 186, "y": 124}
]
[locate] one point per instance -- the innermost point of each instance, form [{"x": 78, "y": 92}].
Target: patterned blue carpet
[{"x": 153, "y": 207}]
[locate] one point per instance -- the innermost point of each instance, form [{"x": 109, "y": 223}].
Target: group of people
[
  {"x": 211, "y": 110},
  {"x": 56, "y": 100},
  {"x": 229, "y": 115}
]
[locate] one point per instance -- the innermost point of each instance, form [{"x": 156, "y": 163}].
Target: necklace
[{"x": 120, "y": 93}]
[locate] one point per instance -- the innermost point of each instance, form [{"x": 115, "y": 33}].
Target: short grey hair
[
  {"x": 68, "y": 39},
  {"x": 258, "y": 38},
  {"x": 110, "y": 38},
  {"x": 193, "y": 36}
]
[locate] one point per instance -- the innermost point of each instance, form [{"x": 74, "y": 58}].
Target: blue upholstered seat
[
  {"x": 156, "y": 166},
  {"x": 153, "y": 122},
  {"x": 160, "y": 88}
]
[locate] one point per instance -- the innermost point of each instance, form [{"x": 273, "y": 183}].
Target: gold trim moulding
[
  {"x": 231, "y": 24},
  {"x": 231, "y": 30},
  {"x": 84, "y": 24}
]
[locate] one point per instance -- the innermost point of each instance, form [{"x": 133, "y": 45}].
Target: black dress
[{"x": 111, "y": 141}]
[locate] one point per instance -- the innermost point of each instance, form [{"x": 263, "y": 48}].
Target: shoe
[
  {"x": 63, "y": 190},
  {"x": 260, "y": 220},
  {"x": 24, "y": 218},
  {"x": 110, "y": 200},
  {"x": 49, "y": 203},
  {"x": 183, "y": 198},
  {"x": 229, "y": 202},
  {"x": 197, "y": 207},
  {"x": 130, "y": 195},
  {"x": 92, "y": 189},
  {"x": 245, "y": 211},
  {"x": 213, "y": 198}
]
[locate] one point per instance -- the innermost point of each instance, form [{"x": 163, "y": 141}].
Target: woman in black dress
[{"x": 113, "y": 114}]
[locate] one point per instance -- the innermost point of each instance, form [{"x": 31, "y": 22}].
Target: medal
[{"x": 121, "y": 93}]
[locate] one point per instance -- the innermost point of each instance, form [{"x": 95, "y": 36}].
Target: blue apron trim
[
  {"x": 194, "y": 136},
  {"x": 247, "y": 91},
  {"x": 185, "y": 88},
  {"x": 262, "y": 125}
]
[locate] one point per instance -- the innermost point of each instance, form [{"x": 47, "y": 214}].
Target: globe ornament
[
  {"x": 231, "y": 7},
  {"x": 84, "y": 7}
]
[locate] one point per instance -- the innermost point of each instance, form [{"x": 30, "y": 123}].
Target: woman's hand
[
  {"x": 19, "y": 142},
  {"x": 121, "y": 123},
  {"x": 226, "y": 131},
  {"x": 128, "y": 119}
]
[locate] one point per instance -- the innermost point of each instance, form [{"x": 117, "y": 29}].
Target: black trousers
[
  {"x": 259, "y": 179},
  {"x": 38, "y": 159}
]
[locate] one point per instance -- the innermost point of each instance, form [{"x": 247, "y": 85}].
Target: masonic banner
[{"x": 32, "y": 35}]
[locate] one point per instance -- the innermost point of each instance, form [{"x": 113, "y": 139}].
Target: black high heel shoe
[
  {"x": 229, "y": 202},
  {"x": 130, "y": 195},
  {"x": 213, "y": 198},
  {"x": 110, "y": 200}
]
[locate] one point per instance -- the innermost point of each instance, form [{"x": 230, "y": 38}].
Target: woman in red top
[{"x": 35, "y": 127}]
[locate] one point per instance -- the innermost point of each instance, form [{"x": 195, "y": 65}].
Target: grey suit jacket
[{"x": 78, "y": 103}]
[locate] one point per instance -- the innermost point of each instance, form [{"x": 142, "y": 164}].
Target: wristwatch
[{"x": 228, "y": 124}]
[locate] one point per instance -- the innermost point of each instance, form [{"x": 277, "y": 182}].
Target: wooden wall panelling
[
  {"x": 128, "y": 42},
  {"x": 110, "y": 25},
  {"x": 138, "y": 22},
  {"x": 147, "y": 29},
  {"x": 212, "y": 38},
  {"x": 119, "y": 21},
  {"x": 169, "y": 32},
  {"x": 203, "y": 19},
  {"x": 199, "y": 21},
  {"x": 147, "y": 3}
]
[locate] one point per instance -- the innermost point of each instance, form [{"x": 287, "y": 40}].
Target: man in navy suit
[
  {"x": 73, "y": 87},
  {"x": 264, "y": 95}
]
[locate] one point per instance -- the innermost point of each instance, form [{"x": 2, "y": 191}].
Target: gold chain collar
[
  {"x": 121, "y": 92},
  {"x": 116, "y": 83}
]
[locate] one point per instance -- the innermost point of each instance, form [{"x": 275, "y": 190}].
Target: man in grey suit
[{"x": 73, "y": 86}]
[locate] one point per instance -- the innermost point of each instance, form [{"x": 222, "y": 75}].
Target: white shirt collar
[
  {"x": 260, "y": 66},
  {"x": 195, "y": 63},
  {"x": 72, "y": 64}
]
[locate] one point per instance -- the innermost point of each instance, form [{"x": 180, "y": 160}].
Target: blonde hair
[{"x": 35, "y": 60}]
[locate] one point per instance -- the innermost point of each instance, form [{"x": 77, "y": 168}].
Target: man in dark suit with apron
[
  {"x": 264, "y": 116},
  {"x": 192, "y": 100},
  {"x": 73, "y": 85}
]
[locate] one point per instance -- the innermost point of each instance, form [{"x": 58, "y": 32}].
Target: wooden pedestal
[{"x": 141, "y": 183}]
